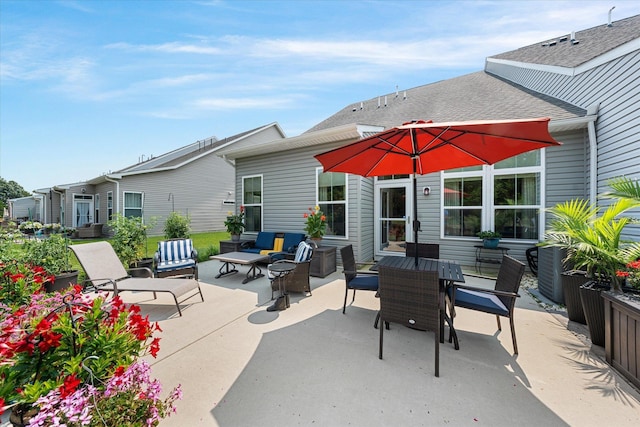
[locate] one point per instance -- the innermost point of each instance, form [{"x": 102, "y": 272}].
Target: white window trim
[
  {"x": 261, "y": 204},
  {"x": 487, "y": 216},
  {"x": 124, "y": 201},
  {"x": 345, "y": 202}
]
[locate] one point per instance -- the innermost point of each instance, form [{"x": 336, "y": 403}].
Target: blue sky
[{"x": 88, "y": 87}]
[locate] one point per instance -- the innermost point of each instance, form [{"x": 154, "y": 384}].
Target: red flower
[
  {"x": 16, "y": 277},
  {"x": 154, "y": 348},
  {"x": 49, "y": 340},
  {"x": 70, "y": 385}
]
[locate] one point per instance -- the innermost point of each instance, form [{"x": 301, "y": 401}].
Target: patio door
[
  {"x": 393, "y": 216},
  {"x": 82, "y": 210}
]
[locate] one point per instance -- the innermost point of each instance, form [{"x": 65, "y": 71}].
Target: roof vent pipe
[
  {"x": 378, "y": 102},
  {"x": 405, "y": 95},
  {"x": 610, "y": 24}
]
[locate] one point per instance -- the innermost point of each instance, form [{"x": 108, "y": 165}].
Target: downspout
[
  {"x": 59, "y": 208},
  {"x": 593, "y": 152},
  {"x": 117, "y": 191}
]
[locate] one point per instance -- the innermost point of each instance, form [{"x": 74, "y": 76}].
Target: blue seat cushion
[
  {"x": 291, "y": 241},
  {"x": 252, "y": 250},
  {"x": 174, "y": 265},
  {"x": 264, "y": 240},
  {"x": 367, "y": 282},
  {"x": 481, "y": 301}
]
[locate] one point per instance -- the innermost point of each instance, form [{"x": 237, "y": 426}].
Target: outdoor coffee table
[{"x": 243, "y": 258}]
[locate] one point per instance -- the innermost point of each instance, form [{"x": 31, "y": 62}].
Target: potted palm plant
[{"x": 592, "y": 237}]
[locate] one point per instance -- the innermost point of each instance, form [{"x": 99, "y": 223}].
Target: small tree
[
  {"x": 177, "y": 226},
  {"x": 130, "y": 238}
]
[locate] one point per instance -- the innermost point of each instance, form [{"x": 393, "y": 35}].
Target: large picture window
[
  {"x": 505, "y": 198},
  {"x": 332, "y": 199},
  {"x": 252, "y": 202},
  {"x": 132, "y": 204}
]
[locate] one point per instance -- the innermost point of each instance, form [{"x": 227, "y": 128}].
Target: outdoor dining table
[{"x": 448, "y": 273}]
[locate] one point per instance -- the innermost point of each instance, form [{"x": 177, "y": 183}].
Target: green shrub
[
  {"x": 177, "y": 226},
  {"x": 130, "y": 238}
]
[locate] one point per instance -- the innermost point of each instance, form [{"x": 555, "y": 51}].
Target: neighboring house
[
  {"x": 192, "y": 180},
  {"x": 26, "y": 208},
  {"x": 590, "y": 89}
]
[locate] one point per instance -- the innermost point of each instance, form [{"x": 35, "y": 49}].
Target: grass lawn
[{"x": 206, "y": 244}]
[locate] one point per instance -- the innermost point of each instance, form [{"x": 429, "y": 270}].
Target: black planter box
[
  {"x": 571, "y": 282},
  {"x": 622, "y": 334},
  {"x": 593, "y": 306}
]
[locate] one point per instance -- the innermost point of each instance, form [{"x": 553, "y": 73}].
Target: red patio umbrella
[{"x": 423, "y": 147}]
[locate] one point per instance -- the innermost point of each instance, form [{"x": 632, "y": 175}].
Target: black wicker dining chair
[
  {"x": 410, "y": 298},
  {"x": 425, "y": 250},
  {"x": 500, "y": 301},
  {"x": 354, "y": 278}
]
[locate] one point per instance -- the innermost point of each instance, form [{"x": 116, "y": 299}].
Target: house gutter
[
  {"x": 592, "y": 111},
  {"x": 117, "y": 192},
  {"x": 588, "y": 121}
]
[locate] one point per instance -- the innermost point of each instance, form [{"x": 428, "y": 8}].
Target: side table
[
  {"x": 230, "y": 245},
  {"x": 323, "y": 261},
  {"x": 280, "y": 270},
  {"x": 489, "y": 255}
]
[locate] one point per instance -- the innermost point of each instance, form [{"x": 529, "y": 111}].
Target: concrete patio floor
[{"x": 240, "y": 365}]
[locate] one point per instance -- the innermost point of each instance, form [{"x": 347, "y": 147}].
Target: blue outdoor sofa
[{"x": 274, "y": 244}]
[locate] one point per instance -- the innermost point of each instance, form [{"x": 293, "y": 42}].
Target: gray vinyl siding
[
  {"x": 289, "y": 189},
  {"x": 198, "y": 188},
  {"x": 567, "y": 168},
  {"x": 615, "y": 86}
]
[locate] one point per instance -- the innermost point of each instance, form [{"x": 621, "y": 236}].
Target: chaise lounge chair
[{"x": 105, "y": 272}]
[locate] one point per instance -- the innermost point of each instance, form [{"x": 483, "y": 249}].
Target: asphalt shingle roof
[
  {"x": 475, "y": 96},
  {"x": 593, "y": 42},
  {"x": 191, "y": 151}
]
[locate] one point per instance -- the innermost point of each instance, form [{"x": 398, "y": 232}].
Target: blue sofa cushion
[
  {"x": 367, "y": 282},
  {"x": 264, "y": 240},
  {"x": 479, "y": 301},
  {"x": 291, "y": 241}
]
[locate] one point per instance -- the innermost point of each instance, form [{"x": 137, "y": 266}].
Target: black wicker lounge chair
[{"x": 411, "y": 298}]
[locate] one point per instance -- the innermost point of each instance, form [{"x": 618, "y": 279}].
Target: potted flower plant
[
  {"x": 30, "y": 227},
  {"x": 235, "y": 224},
  {"x": 52, "y": 254},
  {"x": 490, "y": 239},
  {"x": 315, "y": 223},
  {"x": 70, "y": 359}
]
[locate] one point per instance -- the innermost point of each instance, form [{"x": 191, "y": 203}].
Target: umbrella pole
[{"x": 416, "y": 223}]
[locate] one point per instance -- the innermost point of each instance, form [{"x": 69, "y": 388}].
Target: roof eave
[{"x": 324, "y": 136}]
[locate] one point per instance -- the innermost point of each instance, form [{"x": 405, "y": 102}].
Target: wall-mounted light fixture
[{"x": 426, "y": 191}]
